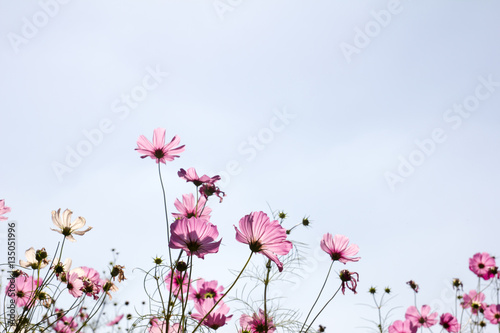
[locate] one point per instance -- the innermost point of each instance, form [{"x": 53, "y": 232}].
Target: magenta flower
[
  {"x": 402, "y": 327},
  {"x": 115, "y": 321},
  {"x": 180, "y": 280},
  {"x": 22, "y": 289},
  {"x": 191, "y": 176},
  {"x": 257, "y": 323},
  {"x": 65, "y": 325},
  {"x": 207, "y": 190},
  {"x": 422, "y": 318},
  {"x": 195, "y": 236},
  {"x": 449, "y": 323},
  {"x": 492, "y": 313},
  {"x": 348, "y": 280},
  {"x": 158, "y": 149},
  {"x": 190, "y": 208},
  {"x": 3, "y": 210},
  {"x": 339, "y": 249},
  {"x": 474, "y": 301},
  {"x": 206, "y": 289},
  {"x": 263, "y": 236},
  {"x": 481, "y": 263},
  {"x": 217, "y": 318}
]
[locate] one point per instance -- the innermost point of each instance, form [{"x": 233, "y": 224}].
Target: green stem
[
  {"x": 266, "y": 283},
  {"x": 324, "y": 307},
  {"x": 317, "y": 298},
  {"x": 227, "y": 292},
  {"x": 166, "y": 214}
]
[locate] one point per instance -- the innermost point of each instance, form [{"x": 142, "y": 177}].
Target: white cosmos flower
[
  {"x": 66, "y": 228},
  {"x": 32, "y": 262}
]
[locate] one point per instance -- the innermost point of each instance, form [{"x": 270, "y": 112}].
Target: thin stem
[
  {"x": 227, "y": 292},
  {"x": 324, "y": 307},
  {"x": 317, "y": 298},
  {"x": 166, "y": 213},
  {"x": 266, "y": 283},
  {"x": 184, "y": 304}
]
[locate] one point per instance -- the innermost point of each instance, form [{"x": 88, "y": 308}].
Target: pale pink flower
[
  {"x": 191, "y": 176},
  {"x": 65, "y": 325},
  {"x": 339, "y": 249},
  {"x": 481, "y": 263},
  {"x": 115, "y": 321},
  {"x": 206, "y": 289},
  {"x": 158, "y": 326},
  {"x": 180, "y": 280},
  {"x": 492, "y": 313},
  {"x": 91, "y": 281},
  {"x": 217, "y": 318},
  {"x": 348, "y": 280},
  {"x": 66, "y": 227},
  {"x": 422, "y": 318},
  {"x": 158, "y": 150},
  {"x": 3, "y": 210},
  {"x": 449, "y": 323},
  {"x": 190, "y": 208},
  {"x": 22, "y": 289},
  {"x": 74, "y": 285},
  {"x": 263, "y": 236},
  {"x": 402, "y": 327},
  {"x": 474, "y": 301},
  {"x": 257, "y": 323},
  {"x": 195, "y": 236}
]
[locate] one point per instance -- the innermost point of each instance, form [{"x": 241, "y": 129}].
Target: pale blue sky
[{"x": 308, "y": 113}]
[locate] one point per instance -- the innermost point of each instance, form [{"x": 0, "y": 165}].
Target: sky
[{"x": 377, "y": 120}]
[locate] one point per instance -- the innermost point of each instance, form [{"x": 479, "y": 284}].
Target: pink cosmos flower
[
  {"x": 190, "y": 208},
  {"x": 481, "y": 263},
  {"x": 257, "y": 323},
  {"x": 402, "y": 327},
  {"x": 3, "y": 210},
  {"x": 338, "y": 248},
  {"x": 207, "y": 190},
  {"x": 263, "y": 236},
  {"x": 21, "y": 290},
  {"x": 92, "y": 285},
  {"x": 115, "y": 321},
  {"x": 158, "y": 326},
  {"x": 348, "y": 280},
  {"x": 422, "y": 318},
  {"x": 492, "y": 313},
  {"x": 195, "y": 236},
  {"x": 191, "y": 176},
  {"x": 74, "y": 285},
  {"x": 158, "y": 149},
  {"x": 206, "y": 289},
  {"x": 180, "y": 279},
  {"x": 474, "y": 301},
  {"x": 65, "y": 325},
  {"x": 449, "y": 323},
  {"x": 217, "y": 318}
]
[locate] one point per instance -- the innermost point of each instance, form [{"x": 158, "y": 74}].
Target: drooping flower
[
  {"x": 492, "y": 313},
  {"x": 115, "y": 321},
  {"x": 474, "y": 301},
  {"x": 217, "y": 318},
  {"x": 422, "y": 318},
  {"x": 257, "y": 323},
  {"x": 413, "y": 285},
  {"x": 206, "y": 289},
  {"x": 179, "y": 282},
  {"x": 36, "y": 259},
  {"x": 108, "y": 286},
  {"x": 348, "y": 280},
  {"x": 481, "y": 263},
  {"x": 66, "y": 227},
  {"x": 263, "y": 236},
  {"x": 158, "y": 150},
  {"x": 339, "y": 249},
  {"x": 3, "y": 210},
  {"x": 195, "y": 236},
  {"x": 449, "y": 323},
  {"x": 207, "y": 190},
  {"x": 21, "y": 289},
  {"x": 191, "y": 176},
  {"x": 402, "y": 327},
  {"x": 190, "y": 208},
  {"x": 65, "y": 325}
]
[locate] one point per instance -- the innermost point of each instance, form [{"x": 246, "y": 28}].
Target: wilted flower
[
  {"x": 158, "y": 150},
  {"x": 207, "y": 190},
  {"x": 413, "y": 285},
  {"x": 66, "y": 227},
  {"x": 117, "y": 271},
  {"x": 348, "y": 280}
]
